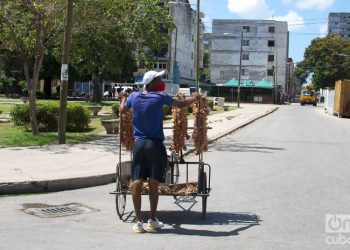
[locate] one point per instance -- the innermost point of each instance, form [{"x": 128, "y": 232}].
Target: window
[
  {"x": 222, "y": 74},
  {"x": 271, "y": 43},
  {"x": 164, "y": 66},
  {"x": 161, "y": 66},
  {"x": 245, "y": 57},
  {"x": 270, "y": 72},
  {"x": 244, "y": 72},
  {"x": 246, "y": 28},
  {"x": 245, "y": 42},
  {"x": 270, "y": 58},
  {"x": 272, "y": 29}
]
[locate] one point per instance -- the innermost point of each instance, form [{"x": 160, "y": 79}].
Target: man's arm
[{"x": 183, "y": 103}]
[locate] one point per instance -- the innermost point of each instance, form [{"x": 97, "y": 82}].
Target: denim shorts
[{"x": 149, "y": 159}]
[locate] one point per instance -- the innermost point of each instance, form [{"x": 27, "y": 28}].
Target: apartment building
[
  {"x": 264, "y": 50},
  {"x": 339, "y": 23}
]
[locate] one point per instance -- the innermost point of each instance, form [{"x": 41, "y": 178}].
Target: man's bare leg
[
  {"x": 153, "y": 197},
  {"x": 136, "y": 197}
]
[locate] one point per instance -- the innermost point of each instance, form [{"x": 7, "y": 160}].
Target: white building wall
[
  {"x": 184, "y": 39},
  {"x": 225, "y": 50}
]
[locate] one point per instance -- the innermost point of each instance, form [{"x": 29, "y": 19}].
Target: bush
[
  {"x": 166, "y": 110},
  {"x": 115, "y": 109},
  {"x": 20, "y": 115},
  {"x": 78, "y": 116},
  {"x": 47, "y": 116},
  {"x": 211, "y": 103}
]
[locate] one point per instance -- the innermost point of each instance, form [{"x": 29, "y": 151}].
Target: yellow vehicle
[{"x": 308, "y": 96}]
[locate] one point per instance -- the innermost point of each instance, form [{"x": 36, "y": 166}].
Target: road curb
[
  {"x": 96, "y": 180},
  {"x": 55, "y": 185}
]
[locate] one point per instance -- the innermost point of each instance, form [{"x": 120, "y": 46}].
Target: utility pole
[
  {"x": 275, "y": 76},
  {"x": 62, "y": 122},
  {"x": 239, "y": 73},
  {"x": 197, "y": 47}
]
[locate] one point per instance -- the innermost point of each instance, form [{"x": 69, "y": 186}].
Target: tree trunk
[
  {"x": 96, "y": 88},
  {"x": 62, "y": 120},
  {"x": 32, "y": 99}
]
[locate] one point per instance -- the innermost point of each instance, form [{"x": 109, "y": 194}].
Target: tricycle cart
[{"x": 175, "y": 164}]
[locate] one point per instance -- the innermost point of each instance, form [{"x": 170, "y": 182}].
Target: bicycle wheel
[
  {"x": 120, "y": 198},
  {"x": 204, "y": 198},
  {"x": 172, "y": 172}
]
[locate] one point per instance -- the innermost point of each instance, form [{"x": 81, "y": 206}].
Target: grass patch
[
  {"x": 11, "y": 136},
  {"x": 5, "y": 107}
]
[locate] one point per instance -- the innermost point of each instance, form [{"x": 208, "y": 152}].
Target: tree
[
  {"x": 328, "y": 59},
  {"x": 29, "y": 28},
  {"x": 108, "y": 36}
]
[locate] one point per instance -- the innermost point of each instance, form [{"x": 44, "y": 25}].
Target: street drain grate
[{"x": 50, "y": 211}]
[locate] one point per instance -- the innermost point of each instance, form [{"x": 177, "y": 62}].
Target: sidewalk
[{"x": 61, "y": 167}]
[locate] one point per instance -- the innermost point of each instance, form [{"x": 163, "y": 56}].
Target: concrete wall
[
  {"x": 225, "y": 50},
  {"x": 184, "y": 19}
]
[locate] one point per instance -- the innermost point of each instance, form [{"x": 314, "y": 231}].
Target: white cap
[{"x": 150, "y": 75}]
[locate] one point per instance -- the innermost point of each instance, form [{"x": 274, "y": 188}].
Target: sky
[{"x": 307, "y": 19}]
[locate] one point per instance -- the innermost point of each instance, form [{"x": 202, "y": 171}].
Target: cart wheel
[
  {"x": 204, "y": 198},
  {"x": 204, "y": 206},
  {"x": 120, "y": 199},
  {"x": 173, "y": 172}
]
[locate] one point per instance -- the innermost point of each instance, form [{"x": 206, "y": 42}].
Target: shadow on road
[
  {"x": 179, "y": 220},
  {"x": 245, "y": 147}
]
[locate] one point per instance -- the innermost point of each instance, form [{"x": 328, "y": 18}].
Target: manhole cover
[{"x": 52, "y": 211}]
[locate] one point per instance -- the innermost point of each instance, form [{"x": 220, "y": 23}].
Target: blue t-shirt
[{"x": 147, "y": 113}]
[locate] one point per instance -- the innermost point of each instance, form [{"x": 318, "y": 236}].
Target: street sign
[{"x": 64, "y": 72}]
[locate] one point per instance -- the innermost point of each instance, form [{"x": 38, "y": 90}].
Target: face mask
[{"x": 160, "y": 86}]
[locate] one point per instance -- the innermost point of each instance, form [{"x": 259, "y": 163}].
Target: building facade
[
  {"x": 178, "y": 57},
  {"x": 264, "y": 51},
  {"x": 292, "y": 87},
  {"x": 339, "y": 23}
]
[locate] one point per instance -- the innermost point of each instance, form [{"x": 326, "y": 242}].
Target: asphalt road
[{"x": 273, "y": 182}]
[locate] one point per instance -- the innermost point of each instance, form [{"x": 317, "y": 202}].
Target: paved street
[{"x": 273, "y": 182}]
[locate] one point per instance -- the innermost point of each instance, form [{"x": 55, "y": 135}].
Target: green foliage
[
  {"x": 47, "y": 114},
  {"x": 328, "y": 59},
  {"x": 5, "y": 85},
  {"x": 166, "y": 111},
  {"x": 115, "y": 109},
  {"x": 20, "y": 115},
  {"x": 211, "y": 103},
  {"x": 78, "y": 116}
]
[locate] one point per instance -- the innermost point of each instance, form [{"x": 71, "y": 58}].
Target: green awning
[
  {"x": 264, "y": 84},
  {"x": 248, "y": 83},
  {"x": 232, "y": 83}
]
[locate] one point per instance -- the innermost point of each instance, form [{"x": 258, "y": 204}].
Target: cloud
[
  {"x": 324, "y": 30},
  {"x": 295, "y": 22},
  {"x": 254, "y": 9},
  {"x": 287, "y": 2},
  {"x": 207, "y": 22},
  {"x": 314, "y": 4}
]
